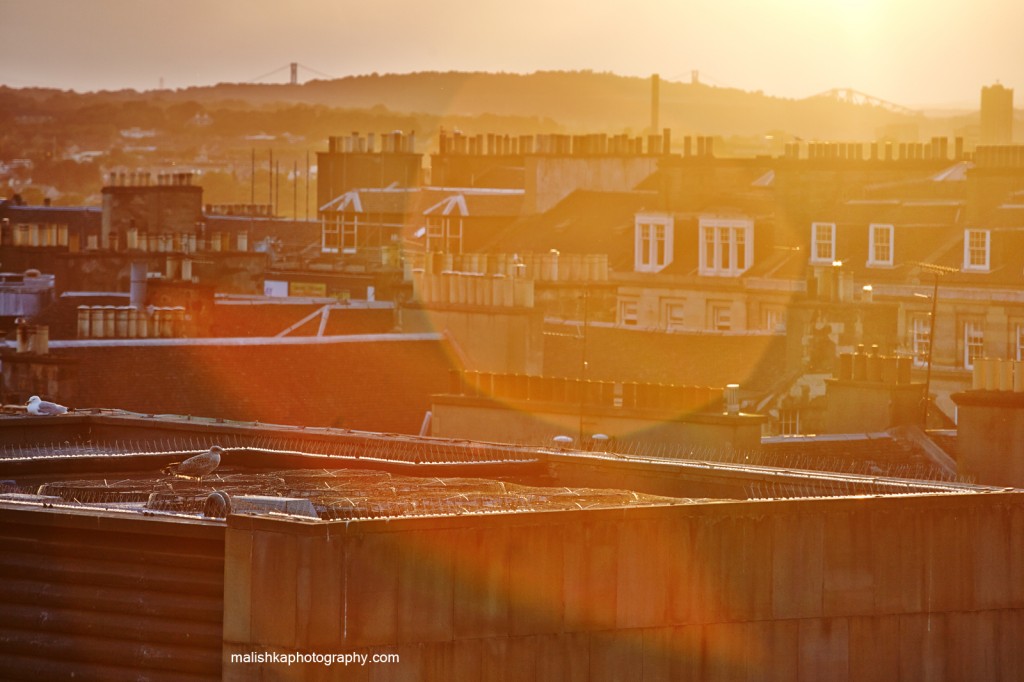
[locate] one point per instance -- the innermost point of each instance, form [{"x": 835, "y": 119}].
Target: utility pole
[
  {"x": 937, "y": 271},
  {"x": 583, "y": 362}
]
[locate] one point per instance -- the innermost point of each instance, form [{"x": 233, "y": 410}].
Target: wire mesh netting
[{"x": 337, "y": 493}]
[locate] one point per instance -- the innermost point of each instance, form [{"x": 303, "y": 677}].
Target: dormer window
[
  {"x": 652, "y": 242},
  {"x": 444, "y": 234},
  {"x": 977, "y": 249},
  {"x": 823, "y": 243},
  {"x": 726, "y": 246},
  {"x": 880, "y": 246}
]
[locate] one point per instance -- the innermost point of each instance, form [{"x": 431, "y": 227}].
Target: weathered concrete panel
[
  {"x": 849, "y": 578},
  {"x": 989, "y": 541},
  {"x": 644, "y": 551},
  {"x": 482, "y": 589},
  {"x": 947, "y": 580},
  {"x": 370, "y": 590},
  {"x": 536, "y": 579},
  {"x": 617, "y": 655},
  {"x": 425, "y": 586},
  {"x": 970, "y": 651},
  {"x": 897, "y": 557},
  {"x": 923, "y": 647},
  {"x": 320, "y": 587},
  {"x": 1015, "y": 561},
  {"x": 238, "y": 594},
  {"x": 916, "y": 587},
  {"x": 824, "y": 649},
  {"x": 563, "y": 657},
  {"x": 274, "y": 579},
  {"x": 874, "y": 647},
  {"x": 745, "y": 584},
  {"x": 590, "y": 588},
  {"x": 797, "y": 566}
]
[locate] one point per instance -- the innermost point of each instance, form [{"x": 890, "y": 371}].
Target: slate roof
[
  {"x": 417, "y": 201},
  {"x": 584, "y": 222}
]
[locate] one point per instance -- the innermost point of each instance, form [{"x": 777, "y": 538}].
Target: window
[
  {"x": 653, "y": 242},
  {"x": 974, "y": 342},
  {"x": 789, "y": 422},
  {"x": 349, "y": 233},
  {"x": 1019, "y": 342},
  {"x": 880, "y": 249},
  {"x": 726, "y": 246},
  {"x": 444, "y": 235},
  {"x": 674, "y": 318},
  {"x": 920, "y": 337},
  {"x": 720, "y": 317},
  {"x": 628, "y": 313},
  {"x": 339, "y": 233},
  {"x": 773, "y": 319},
  {"x": 823, "y": 243},
  {"x": 976, "y": 250},
  {"x": 329, "y": 235}
]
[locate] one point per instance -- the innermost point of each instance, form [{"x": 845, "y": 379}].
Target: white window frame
[
  {"x": 720, "y": 317},
  {"x": 920, "y": 337},
  {"x": 875, "y": 244},
  {"x": 1019, "y": 342},
  {"x": 629, "y": 312},
  {"x": 674, "y": 315},
  {"x": 773, "y": 319},
  {"x": 974, "y": 342},
  {"x": 444, "y": 235},
  {"x": 726, "y": 246},
  {"x": 818, "y": 240},
  {"x": 982, "y": 246},
  {"x": 653, "y": 235},
  {"x": 330, "y": 236},
  {"x": 789, "y": 421},
  {"x": 349, "y": 233}
]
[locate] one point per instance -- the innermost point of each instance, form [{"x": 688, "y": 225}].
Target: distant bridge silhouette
[
  {"x": 851, "y": 96},
  {"x": 293, "y": 69}
]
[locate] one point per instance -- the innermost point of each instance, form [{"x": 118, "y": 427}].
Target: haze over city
[{"x": 918, "y": 54}]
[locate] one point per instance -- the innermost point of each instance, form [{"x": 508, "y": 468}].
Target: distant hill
[
  {"x": 230, "y": 131},
  {"x": 581, "y": 101}
]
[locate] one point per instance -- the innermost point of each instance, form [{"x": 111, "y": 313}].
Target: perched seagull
[
  {"x": 44, "y": 408},
  {"x": 198, "y": 466}
]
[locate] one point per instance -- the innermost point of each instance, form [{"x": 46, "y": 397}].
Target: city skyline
[{"x": 908, "y": 52}]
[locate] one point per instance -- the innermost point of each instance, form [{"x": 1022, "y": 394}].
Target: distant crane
[{"x": 293, "y": 69}]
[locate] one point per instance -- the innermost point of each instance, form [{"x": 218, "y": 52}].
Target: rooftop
[{"x": 112, "y": 462}]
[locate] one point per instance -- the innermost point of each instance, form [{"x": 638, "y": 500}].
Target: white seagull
[
  {"x": 44, "y": 408},
  {"x": 198, "y": 466}
]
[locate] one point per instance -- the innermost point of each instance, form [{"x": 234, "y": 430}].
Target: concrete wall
[
  {"x": 88, "y": 595},
  {"x": 990, "y": 437},
  {"x": 837, "y": 589},
  {"x": 868, "y": 406}
]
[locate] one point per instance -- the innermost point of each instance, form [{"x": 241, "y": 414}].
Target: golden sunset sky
[{"x": 910, "y": 52}]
